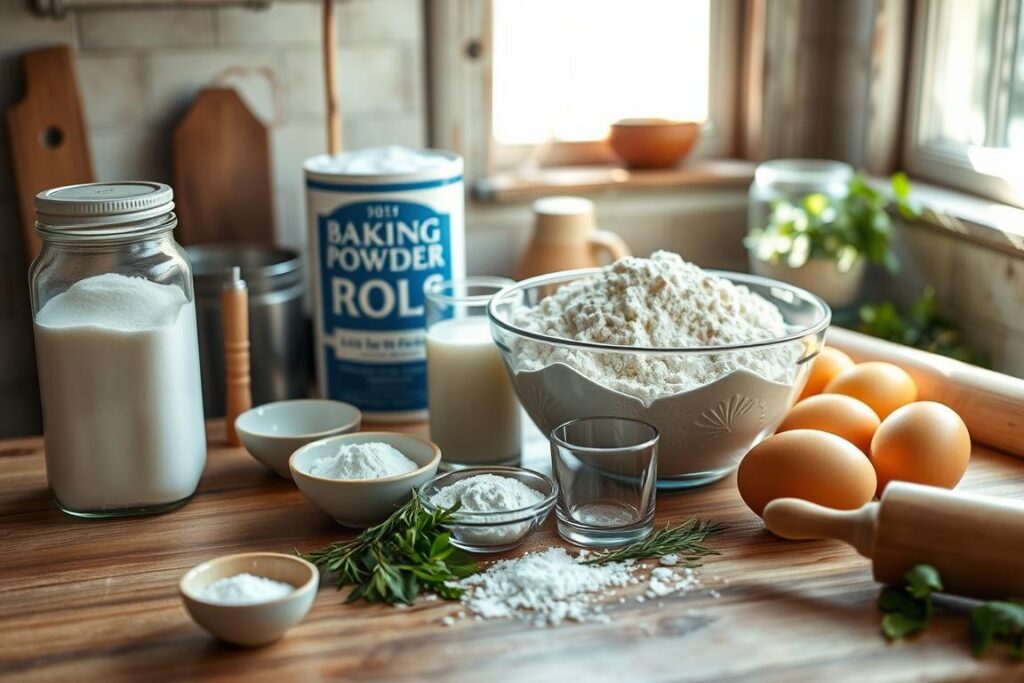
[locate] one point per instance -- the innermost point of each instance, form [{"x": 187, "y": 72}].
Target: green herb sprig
[
  {"x": 908, "y": 610},
  {"x": 398, "y": 559},
  {"x": 686, "y": 540},
  {"x": 844, "y": 229},
  {"x": 920, "y": 326}
]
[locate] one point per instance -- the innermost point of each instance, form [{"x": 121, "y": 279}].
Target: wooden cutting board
[
  {"x": 48, "y": 138},
  {"x": 223, "y": 188}
]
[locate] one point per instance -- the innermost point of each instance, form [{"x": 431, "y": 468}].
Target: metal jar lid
[{"x": 103, "y": 204}]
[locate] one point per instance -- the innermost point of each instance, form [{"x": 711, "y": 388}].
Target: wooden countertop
[{"x": 97, "y": 600}]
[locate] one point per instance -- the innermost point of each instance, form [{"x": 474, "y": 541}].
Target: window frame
[
  {"x": 460, "y": 87},
  {"x": 943, "y": 162}
]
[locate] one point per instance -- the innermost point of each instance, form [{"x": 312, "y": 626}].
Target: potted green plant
[{"x": 823, "y": 242}]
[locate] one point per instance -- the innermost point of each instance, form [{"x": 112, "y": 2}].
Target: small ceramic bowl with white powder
[
  {"x": 361, "y": 479},
  {"x": 498, "y": 506},
  {"x": 250, "y": 598},
  {"x": 273, "y": 431}
]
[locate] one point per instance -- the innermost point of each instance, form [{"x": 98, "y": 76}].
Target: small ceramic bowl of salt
[
  {"x": 498, "y": 506},
  {"x": 361, "y": 479},
  {"x": 250, "y": 598}
]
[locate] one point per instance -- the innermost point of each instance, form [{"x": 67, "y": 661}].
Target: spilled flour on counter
[
  {"x": 549, "y": 587},
  {"x": 658, "y": 302}
]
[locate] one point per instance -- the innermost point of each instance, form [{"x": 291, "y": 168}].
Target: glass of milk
[
  {"x": 118, "y": 354},
  {"x": 474, "y": 412}
]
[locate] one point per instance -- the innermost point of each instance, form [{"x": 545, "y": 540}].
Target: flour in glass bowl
[{"x": 658, "y": 302}]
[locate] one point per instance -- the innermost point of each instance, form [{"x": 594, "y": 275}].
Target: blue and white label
[{"x": 375, "y": 258}]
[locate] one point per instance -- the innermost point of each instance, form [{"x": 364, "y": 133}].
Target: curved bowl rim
[
  {"x": 435, "y": 459},
  {"x": 354, "y": 421},
  {"x": 312, "y": 583},
  {"x": 819, "y": 325},
  {"x": 486, "y": 518}
]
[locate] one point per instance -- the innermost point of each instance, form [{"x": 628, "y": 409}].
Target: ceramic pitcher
[{"x": 565, "y": 237}]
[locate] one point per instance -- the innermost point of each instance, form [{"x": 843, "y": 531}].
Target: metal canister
[{"x": 278, "y": 327}]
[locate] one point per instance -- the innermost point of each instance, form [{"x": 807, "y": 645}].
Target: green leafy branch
[
  {"x": 396, "y": 560},
  {"x": 844, "y": 229},
  {"x": 909, "y": 609},
  {"x": 920, "y": 327}
]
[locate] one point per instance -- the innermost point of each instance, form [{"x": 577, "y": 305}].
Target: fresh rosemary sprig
[
  {"x": 399, "y": 558},
  {"x": 685, "y": 540}
]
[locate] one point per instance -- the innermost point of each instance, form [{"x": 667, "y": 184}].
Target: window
[
  {"x": 550, "y": 76},
  {"x": 966, "y": 114}
]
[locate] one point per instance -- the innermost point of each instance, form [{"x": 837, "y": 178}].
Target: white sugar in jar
[
  {"x": 117, "y": 349},
  {"x": 384, "y": 224}
]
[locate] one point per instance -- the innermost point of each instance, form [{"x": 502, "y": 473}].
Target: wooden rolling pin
[
  {"x": 235, "y": 309},
  {"x": 991, "y": 404},
  {"x": 974, "y": 541}
]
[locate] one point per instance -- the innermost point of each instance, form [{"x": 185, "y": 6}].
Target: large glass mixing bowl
[{"x": 705, "y": 428}]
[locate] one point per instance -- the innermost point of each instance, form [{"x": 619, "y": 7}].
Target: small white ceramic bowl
[
  {"x": 272, "y": 432},
  {"x": 257, "y": 623},
  {"x": 361, "y": 503}
]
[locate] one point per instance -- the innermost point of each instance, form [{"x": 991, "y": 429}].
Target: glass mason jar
[
  {"x": 117, "y": 350},
  {"x": 791, "y": 180}
]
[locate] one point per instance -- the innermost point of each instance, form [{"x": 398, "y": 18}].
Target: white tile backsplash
[
  {"x": 21, "y": 30},
  {"x": 303, "y": 84},
  {"x": 173, "y": 78},
  {"x": 131, "y": 154},
  {"x": 373, "y": 21},
  {"x": 145, "y": 28},
  {"x": 113, "y": 89},
  {"x": 282, "y": 23},
  {"x": 372, "y": 78},
  {"x": 374, "y": 130}
]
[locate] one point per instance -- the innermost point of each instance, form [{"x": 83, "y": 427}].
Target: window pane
[
  {"x": 566, "y": 69},
  {"x": 1015, "y": 128},
  {"x": 962, "y": 59}
]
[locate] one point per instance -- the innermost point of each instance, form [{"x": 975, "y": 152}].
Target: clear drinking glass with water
[
  {"x": 474, "y": 412},
  {"x": 607, "y": 471}
]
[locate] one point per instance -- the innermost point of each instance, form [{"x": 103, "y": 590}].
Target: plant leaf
[
  {"x": 900, "y": 185},
  {"x": 897, "y": 625},
  {"x": 923, "y": 580},
  {"x": 898, "y": 600}
]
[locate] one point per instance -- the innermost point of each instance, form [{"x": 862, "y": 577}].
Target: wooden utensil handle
[
  {"x": 235, "y": 307},
  {"x": 801, "y": 520},
  {"x": 991, "y": 404},
  {"x": 974, "y": 541}
]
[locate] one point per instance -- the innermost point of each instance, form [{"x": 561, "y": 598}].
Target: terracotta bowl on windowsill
[{"x": 652, "y": 143}]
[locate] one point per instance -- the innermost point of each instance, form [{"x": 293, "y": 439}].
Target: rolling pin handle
[{"x": 797, "y": 519}]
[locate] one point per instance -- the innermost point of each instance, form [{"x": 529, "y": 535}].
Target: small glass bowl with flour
[
  {"x": 498, "y": 506},
  {"x": 361, "y": 479}
]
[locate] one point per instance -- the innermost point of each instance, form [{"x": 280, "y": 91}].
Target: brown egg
[
  {"x": 883, "y": 386},
  {"x": 808, "y": 464},
  {"x": 828, "y": 364},
  {"x": 923, "y": 442},
  {"x": 836, "y": 414}
]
